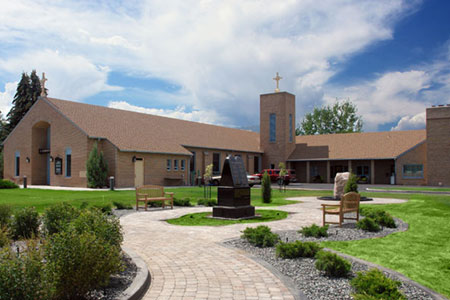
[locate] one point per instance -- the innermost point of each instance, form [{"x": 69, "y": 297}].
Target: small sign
[{"x": 58, "y": 166}]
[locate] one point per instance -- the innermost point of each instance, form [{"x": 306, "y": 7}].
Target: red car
[{"x": 275, "y": 175}]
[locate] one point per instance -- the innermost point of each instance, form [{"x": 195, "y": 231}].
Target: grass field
[
  {"x": 202, "y": 219},
  {"x": 427, "y": 189},
  {"x": 19, "y": 198},
  {"x": 423, "y": 252}
]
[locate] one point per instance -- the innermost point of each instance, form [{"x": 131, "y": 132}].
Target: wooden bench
[
  {"x": 152, "y": 193},
  {"x": 349, "y": 204}
]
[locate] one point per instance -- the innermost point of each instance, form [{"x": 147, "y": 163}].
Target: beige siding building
[{"x": 51, "y": 144}]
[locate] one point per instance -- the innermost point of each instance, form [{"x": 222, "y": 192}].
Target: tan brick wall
[
  {"x": 282, "y": 104},
  {"x": 438, "y": 145},
  {"x": 63, "y": 134},
  {"x": 417, "y": 155}
]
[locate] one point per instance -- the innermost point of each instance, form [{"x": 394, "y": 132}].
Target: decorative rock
[{"x": 339, "y": 184}]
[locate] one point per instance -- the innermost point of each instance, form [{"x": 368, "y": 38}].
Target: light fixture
[
  {"x": 133, "y": 159},
  {"x": 51, "y": 158},
  {"x": 27, "y": 159}
]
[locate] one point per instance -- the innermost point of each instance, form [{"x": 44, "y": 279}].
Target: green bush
[
  {"x": 4, "y": 237},
  {"x": 297, "y": 249},
  {"x": 23, "y": 277},
  {"x": 80, "y": 262},
  {"x": 381, "y": 217},
  {"x": 314, "y": 231},
  {"x": 120, "y": 205},
  {"x": 266, "y": 188},
  {"x": 368, "y": 224},
  {"x": 332, "y": 264},
  {"x": 96, "y": 169},
  {"x": 363, "y": 297},
  {"x": 260, "y": 236},
  {"x": 25, "y": 223},
  {"x": 207, "y": 202},
  {"x": 105, "y": 227},
  {"x": 352, "y": 184},
  {"x": 84, "y": 205},
  {"x": 57, "y": 216},
  {"x": 7, "y": 184},
  {"x": 375, "y": 284},
  {"x": 182, "y": 202},
  {"x": 104, "y": 208},
  {"x": 5, "y": 215}
]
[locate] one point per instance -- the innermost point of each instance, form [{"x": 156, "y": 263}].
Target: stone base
[{"x": 239, "y": 212}]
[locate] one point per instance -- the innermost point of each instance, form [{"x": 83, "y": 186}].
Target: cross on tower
[
  {"x": 43, "y": 80},
  {"x": 277, "y": 79}
]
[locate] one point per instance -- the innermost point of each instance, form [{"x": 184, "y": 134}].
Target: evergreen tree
[
  {"x": 3, "y": 133},
  {"x": 352, "y": 184},
  {"x": 21, "y": 98},
  {"x": 266, "y": 188},
  {"x": 35, "y": 86},
  {"x": 97, "y": 169}
]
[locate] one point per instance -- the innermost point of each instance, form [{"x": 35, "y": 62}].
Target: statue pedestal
[{"x": 233, "y": 203}]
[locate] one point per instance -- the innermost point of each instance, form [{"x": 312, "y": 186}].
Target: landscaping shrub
[
  {"x": 105, "y": 208},
  {"x": 352, "y": 184},
  {"x": 105, "y": 227},
  {"x": 381, "y": 217},
  {"x": 78, "y": 262},
  {"x": 314, "y": 231},
  {"x": 375, "y": 284},
  {"x": 119, "y": 205},
  {"x": 182, "y": 202},
  {"x": 25, "y": 223},
  {"x": 207, "y": 202},
  {"x": 96, "y": 169},
  {"x": 84, "y": 205},
  {"x": 23, "y": 277},
  {"x": 57, "y": 216},
  {"x": 4, "y": 237},
  {"x": 5, "y": 215},
  {"x": 266, "y": 188},
  {"x": 260, "y": 236},
  {"x": 368, "y": 224},
  {"x": 7, "y": 184},
  {"x": 297, "y": 249},
  {"x": 332, "y": 264}
]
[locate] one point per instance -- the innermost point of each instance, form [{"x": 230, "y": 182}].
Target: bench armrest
[
  {"x": 168, "y": 193},
  {"x": 332, "y": 205}
]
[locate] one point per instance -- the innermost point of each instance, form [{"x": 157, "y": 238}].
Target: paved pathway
[{"x": 190, "y": 262}]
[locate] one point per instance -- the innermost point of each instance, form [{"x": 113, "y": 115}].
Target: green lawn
[
  {"x": 423, "y": 252},
  {"x": 203, "y": 219},
  {"x": 18, "y": 198},
  {"x": 432, "y": 189}
]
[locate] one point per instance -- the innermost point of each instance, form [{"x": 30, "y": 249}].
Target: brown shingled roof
[
  {"x": 132, "y": 131},
  {"x": 366, "y": 145}
]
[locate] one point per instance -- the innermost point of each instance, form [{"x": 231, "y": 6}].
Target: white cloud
[
  {"x": 7, "y": 97},
  {"x": 411, "y": 122},
  {"x": 222, "y": 53},
  {"x": 180, "y": 112}
]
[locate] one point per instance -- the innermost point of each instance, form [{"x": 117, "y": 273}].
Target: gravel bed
[
  {"x": 118, "y": 283},
  {"x": 311, "y": 282}
]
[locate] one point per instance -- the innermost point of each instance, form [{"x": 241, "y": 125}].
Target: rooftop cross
[
  {"x": 43, "y": 80},
  {"x": 277, "y": 79}
]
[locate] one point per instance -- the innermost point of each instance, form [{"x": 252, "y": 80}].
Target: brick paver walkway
[{"x": 190, "y": 262}]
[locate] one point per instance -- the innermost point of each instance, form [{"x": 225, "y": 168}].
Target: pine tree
[
  {"x": 352, "y": 184},
  {"x": 35, "y": 86},
  {"x": 21, "y": 98},
  {"x": 266, "y": 188},
  {"x": 97, "y": 169}
]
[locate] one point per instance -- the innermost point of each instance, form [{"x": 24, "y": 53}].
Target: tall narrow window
[
  {"x": 216, "y": 163},
  {"x": 68, "y": 162},
  {"x": 17, "y": 164},
  {"x": 273, "y": 128},
  {"x": 169, "y": 164},
  {"x": 182, "y": 164},
  {"x": 192, "y": 162},
  {"x": 290, "y": 129},
  {"x": 175, "y": 164}
]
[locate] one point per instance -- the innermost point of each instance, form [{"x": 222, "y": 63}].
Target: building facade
[{"x": 51, "y": 145}]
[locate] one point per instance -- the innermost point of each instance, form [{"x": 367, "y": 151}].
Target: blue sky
[{"x": 208, "y": 61}]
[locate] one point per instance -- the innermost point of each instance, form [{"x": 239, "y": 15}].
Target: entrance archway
[{"x": 40, "y": 158}]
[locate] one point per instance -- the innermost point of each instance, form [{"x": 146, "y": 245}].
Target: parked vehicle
[
  {"x": 252, "y": 180},
  {"x": 275, "y": 175}
]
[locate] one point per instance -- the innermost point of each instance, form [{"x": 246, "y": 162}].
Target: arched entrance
[{"x": 40, "y": 158}]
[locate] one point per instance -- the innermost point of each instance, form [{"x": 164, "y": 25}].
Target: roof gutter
[
  {"x": 223, "y": 149},
  {"x": 154, "y": 152}
]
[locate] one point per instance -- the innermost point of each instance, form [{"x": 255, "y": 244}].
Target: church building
[{"x": 51, "y": 144}]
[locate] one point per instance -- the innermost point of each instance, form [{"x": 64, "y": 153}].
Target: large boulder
[{"x": 339, "y": 184}]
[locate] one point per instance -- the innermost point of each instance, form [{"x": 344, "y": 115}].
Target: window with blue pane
[
  {"x": 68, "y": 162},
  {"x": 290, "y": 129},
  {"x": 273, "y": 128}
]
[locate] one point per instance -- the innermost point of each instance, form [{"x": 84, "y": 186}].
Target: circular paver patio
[{"x": 190, "y": 263}]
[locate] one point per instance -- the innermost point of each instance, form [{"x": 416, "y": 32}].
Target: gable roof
[
  {"x": 365, "y": 145},
  {"x": 139, "y": 132}
]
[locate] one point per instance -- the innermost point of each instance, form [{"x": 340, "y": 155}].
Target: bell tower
[{"x": 277, "y": 127}]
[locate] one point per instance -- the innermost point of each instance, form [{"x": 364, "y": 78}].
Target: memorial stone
[{"x": 339, "y": 184}]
